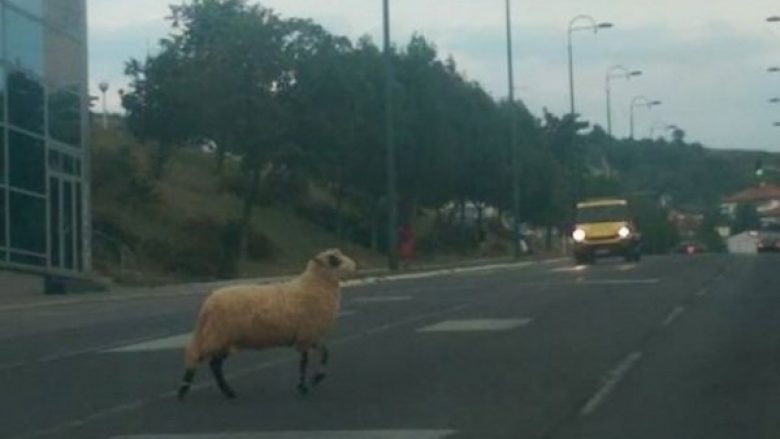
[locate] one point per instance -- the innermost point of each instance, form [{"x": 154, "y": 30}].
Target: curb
[{"x": 206, "y": 287}]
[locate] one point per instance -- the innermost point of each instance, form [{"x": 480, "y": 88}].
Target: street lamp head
[
  {"x": 774, "y": 100},
  {"x": 103, "y": 86},
  {"x": 773, "y": 19},
  {"x": 635, "y": 73},
  {"x": 605, "y": 25},
  {"x": 773, "y": 69},
  {"x": 654, "y": 103},
  {"x": 777, "y": 124}
]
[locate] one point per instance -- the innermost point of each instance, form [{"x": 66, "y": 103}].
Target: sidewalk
[{"x": 365, "y": 277}]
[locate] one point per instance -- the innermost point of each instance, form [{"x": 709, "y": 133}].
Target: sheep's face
[{"x": 337, "y": 263}]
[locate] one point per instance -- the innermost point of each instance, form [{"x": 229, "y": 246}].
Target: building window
[
  {"x": 32, "y": 6},
  {"x": 2, "y": 154},
  {"x": 63, "y": 61},
  {"x": 25, "y": 102},
  {"x": 2, "y": 80},
  {"x": 28, "y": 223},
  {"x": 54, "y": 221},
  {"x": 67, "y": 15},
  {"x": 2, "y": 32},
  {"x": 65, "y": 118},
  {"x": 27, "y": 160},
  {"x": 24, "y": 42},
  {"x": 3, "y": 240}
]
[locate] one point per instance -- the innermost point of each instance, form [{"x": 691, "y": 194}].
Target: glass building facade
[{"x": 44, "y": 190}]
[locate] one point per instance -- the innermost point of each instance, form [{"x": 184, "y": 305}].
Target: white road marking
[
  {"x": 346, "y": 313},
  {"x": 610, "y": 382},
  {"x": 160, "y": 344},
  {"x": 380, "y": 299},
  {"x": 702, "y": 291},
  {"x": 347, "y": 434},
  {"x": 673, "y": 314},
  {"x": 574, "y": 269},
  {"x": 649, "y": 281},
  {"x": 476, "y": 325},
  {"x": 627, "y": 267}
]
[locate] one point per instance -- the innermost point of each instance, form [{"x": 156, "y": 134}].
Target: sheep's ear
[{"x": 334, "y": 261}]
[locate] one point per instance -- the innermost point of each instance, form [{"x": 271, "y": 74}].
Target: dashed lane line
[
  {"x": 613, "y": 378},
  {"x": 672, "y": 316}
]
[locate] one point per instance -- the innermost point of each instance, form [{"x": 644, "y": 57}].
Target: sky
[{"x": 705, "y": 60}]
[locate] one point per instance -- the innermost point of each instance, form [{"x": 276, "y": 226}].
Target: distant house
[
  {"x": 765, "y": 198},
  {"x": 744, "y": 243}
]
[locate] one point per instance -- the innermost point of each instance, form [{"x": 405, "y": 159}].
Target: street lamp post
[
  {"x": 590, "y": 25},
  {"x": 616, "y": 72},
  {"x": 640, "y": 101},
  {"x": 392, "y": 195},
  {"x": 512, "y": 134}
]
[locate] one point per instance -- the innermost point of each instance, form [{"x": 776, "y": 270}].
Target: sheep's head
[{"x": 337, "y": 263}]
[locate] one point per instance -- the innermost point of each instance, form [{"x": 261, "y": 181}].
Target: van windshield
[{"x": 601, "y": 214}]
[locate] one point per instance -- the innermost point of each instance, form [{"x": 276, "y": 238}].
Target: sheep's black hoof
[
  {"x": 302, "y": 389},
  {"x": 318, "y": 378},
  {"x": 182, "y": 393}
]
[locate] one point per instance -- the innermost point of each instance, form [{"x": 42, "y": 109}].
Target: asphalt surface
[{"x": 674, "y": 347}]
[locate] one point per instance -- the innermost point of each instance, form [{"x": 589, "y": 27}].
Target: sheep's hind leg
[
  {"x": 186, "y": 382},
  {"x": 216, "y": 368},
  {"x": 304, "y": 364},
  {"x": 324, "y": 356}
]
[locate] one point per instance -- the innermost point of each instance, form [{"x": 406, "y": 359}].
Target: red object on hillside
[{"x": 406, "y": 243}]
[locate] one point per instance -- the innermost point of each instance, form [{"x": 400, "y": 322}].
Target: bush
[
  {"x": 205, "y": 251},
  {"x": 259, "y": 246},
  {"x": 117, "y": 175}
]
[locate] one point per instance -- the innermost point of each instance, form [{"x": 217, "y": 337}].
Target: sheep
[{"x": 296, "y": 314}]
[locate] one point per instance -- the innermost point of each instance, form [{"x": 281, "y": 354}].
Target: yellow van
[{"x": 605, "y": 227}]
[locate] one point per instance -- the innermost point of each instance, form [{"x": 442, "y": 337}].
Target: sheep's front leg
[
  {"x": 216, "y": 368},
  {"x": 324, "y": 356},
  {"x": 304, "y": 364}
]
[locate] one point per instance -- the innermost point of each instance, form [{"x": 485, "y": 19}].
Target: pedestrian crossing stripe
[
  {"x": 159, "y": 344},
  {"x": 467, "y": 325},
  {"x": 325, "y": 434},
  {"x": 380, "y": 299},
  {"x": 174, "y": 341}
]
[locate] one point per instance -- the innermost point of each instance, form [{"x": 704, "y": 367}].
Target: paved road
[{"x": 675, "y": 347}]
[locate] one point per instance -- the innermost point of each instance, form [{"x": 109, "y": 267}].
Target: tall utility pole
[
  {"x": 392, "y": 194},
  {"x": 512, "y": 135}
]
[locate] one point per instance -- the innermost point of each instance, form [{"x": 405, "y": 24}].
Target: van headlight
[
  {"x": 624, "y": 232},
  {"x": 578, "y": 235}
]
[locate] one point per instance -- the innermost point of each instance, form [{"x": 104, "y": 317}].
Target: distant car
[
  {"x": 768, "y": 240},
  {"x": 605, "y": 228},
  {"x": 689, "y": 248}
]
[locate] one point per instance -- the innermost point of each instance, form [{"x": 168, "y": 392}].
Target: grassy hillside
[{"x": 172, "y": 228}]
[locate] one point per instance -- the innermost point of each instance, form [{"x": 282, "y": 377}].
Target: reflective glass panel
[
  {"x": 28, "y": 222},
  {"x": 27, "y": 160},
  {"x": 25, "y": 101},
  {"x": 24, "y": 42}
]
